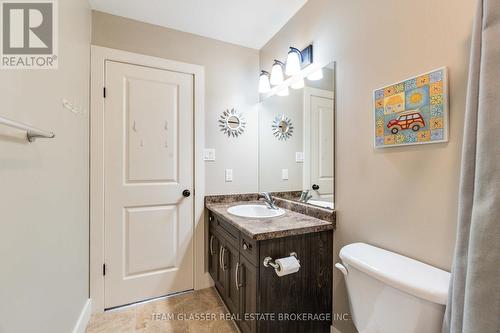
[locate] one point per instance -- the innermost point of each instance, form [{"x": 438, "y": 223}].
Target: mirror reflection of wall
[{"x": 305, "y": 160}]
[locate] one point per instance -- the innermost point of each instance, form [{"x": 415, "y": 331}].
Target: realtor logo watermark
[{"x": 29, "y": 34}]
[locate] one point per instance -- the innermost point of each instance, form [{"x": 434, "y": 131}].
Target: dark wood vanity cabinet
[
  {"x": 248, "y": 295},
  {"x": 215, "y": 268},
  {"x": 224, "y": 266},
  {"x": 254, "y": 293},
  {"x": 231, "y": 260}
]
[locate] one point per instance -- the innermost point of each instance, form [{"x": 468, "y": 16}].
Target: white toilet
[{"x": 390, "y": 293}]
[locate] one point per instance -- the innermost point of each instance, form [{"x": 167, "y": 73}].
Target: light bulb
[
  {"x": 293, "y": 62},
  {"x": 277, "y": 73},
  {"x": 316, "y": 75},
  {"x": 264, "y": 85},
  {"x": 283, "y": 92},
  {"x": 298, "y": 84}
]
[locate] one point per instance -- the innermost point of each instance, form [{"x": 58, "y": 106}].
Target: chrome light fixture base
[{"x": 307, "y": 56}]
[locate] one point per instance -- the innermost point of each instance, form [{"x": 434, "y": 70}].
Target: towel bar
[{"x": 31, "y": 132}]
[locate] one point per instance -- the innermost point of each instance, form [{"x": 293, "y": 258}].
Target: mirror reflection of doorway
[{"x": 319, "y": 143}]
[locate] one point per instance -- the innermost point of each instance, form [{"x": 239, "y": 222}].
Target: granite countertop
[{"x": 289, "y": 224}]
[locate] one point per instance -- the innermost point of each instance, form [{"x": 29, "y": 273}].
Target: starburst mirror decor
[
  {"x": 282, "y": 127},
  {"x": 232, "y": 123}
]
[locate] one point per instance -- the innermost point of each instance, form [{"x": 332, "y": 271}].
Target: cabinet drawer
[
  {"x": 249, "y": 248},
  {"x": 212, "y": 221},
  {"x": 224, "y": 229}
]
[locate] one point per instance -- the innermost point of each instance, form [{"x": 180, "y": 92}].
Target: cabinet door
[
  {"x": 248, "y": 295},
  {"x": 214, "y": 247},
  {"x": 231, "y": 261},
  {"x": 220, "y": 271}
]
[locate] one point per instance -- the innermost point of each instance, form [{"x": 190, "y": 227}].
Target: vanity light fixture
[
  {"x": 264, "y": 85},
  {"x": 277, "y": 76},
  {"x": 298, "y": 84},
  {"x": 299, "y": 65},
  {"x": 293, "y": 62},
  {"x": 316, "y": 75}
]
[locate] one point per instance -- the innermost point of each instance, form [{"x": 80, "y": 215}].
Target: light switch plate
[
  {"x": 284, "y": 174},
  {"x": 209, "y": 155},
  {"x": 299, "y": 157},
  {"x": 229, "y": 175}
]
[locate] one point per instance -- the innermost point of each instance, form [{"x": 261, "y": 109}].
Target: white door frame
[
  {"x": 306, "y": 168},
  {"x": 98, "y": 57}
]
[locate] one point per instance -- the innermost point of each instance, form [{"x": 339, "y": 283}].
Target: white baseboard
[
  {"x": 83, "y": 319},
  {"x": 203, "y": 282}
]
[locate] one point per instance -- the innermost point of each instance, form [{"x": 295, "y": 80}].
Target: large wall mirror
[{"x": 297, "y": 142}]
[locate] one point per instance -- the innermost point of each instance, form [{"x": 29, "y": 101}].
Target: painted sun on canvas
[{"x": 414, "y": 111}]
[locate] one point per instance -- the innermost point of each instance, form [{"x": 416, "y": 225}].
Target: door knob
[
  {"x": 315, "y": 187},
  {"x": 186, "y": 193}
]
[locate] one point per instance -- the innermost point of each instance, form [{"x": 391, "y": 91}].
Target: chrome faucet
[
  {"x": 305, "y": 196},
  {"x": 268, "y": 199}
]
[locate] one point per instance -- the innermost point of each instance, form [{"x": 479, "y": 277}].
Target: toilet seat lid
[{"x": 406, "y": 274}]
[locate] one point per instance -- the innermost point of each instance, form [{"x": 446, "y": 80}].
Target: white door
[
  {"x": 319, "y": 147},
  {"x": 148, "y": 164}
]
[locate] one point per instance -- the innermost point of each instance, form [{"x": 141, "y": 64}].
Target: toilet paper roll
[{"x": 288, "y": 265}]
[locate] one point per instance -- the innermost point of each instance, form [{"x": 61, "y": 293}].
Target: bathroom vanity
[
  {"x": 296, "y": 167},
  {"x": 256, "y": 296}
]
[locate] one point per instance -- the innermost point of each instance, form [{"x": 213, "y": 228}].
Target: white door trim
[
  {"x": 308, "y": 92},
  {"x": 98, "y": 57}
]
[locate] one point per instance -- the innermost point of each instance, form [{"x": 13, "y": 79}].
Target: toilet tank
[{"x": 391, "y": 293}]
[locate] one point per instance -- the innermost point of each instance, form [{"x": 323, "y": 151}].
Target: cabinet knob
[
  {"x": 186, "y": 193},
  {"x": 315, "y": 187},
  {"x": 245, "y": 246}
]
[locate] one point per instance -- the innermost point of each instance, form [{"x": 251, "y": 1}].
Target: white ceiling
[{"x": 250, "y": 23}]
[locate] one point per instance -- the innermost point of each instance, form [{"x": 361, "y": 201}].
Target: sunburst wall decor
[
  {"x": 282, "y": 127},
  {"x": 232, "y": 123}
]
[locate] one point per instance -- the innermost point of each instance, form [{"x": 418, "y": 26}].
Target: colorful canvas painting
[{"x": 413, "y": 111}]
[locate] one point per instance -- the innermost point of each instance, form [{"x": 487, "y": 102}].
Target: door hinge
[
  {"x": 103, "y": 269},
  {"x": 104, "y": 92}
]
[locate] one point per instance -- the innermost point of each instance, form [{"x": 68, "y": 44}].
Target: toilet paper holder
[{"x": 269, "y": 262}]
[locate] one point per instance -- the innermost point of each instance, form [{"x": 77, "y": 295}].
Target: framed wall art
[{"x": 413, "y": 111}]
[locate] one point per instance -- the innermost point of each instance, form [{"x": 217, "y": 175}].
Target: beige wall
[
  {"x": 403, "y": 199},
  {"x": 44, "y": 188},
  {"x": 231, "y": 82}
]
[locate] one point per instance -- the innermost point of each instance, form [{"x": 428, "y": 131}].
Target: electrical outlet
[
  {"x": 209, "y": 155},
  {"x": 284, "y": 174},
  {"x": 229, "y": 175}
]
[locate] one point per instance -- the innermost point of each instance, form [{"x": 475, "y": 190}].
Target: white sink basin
[{"x": 255, "y": 211}]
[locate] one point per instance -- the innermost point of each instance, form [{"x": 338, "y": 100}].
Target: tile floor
[{"x": 153, "y": 317}]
